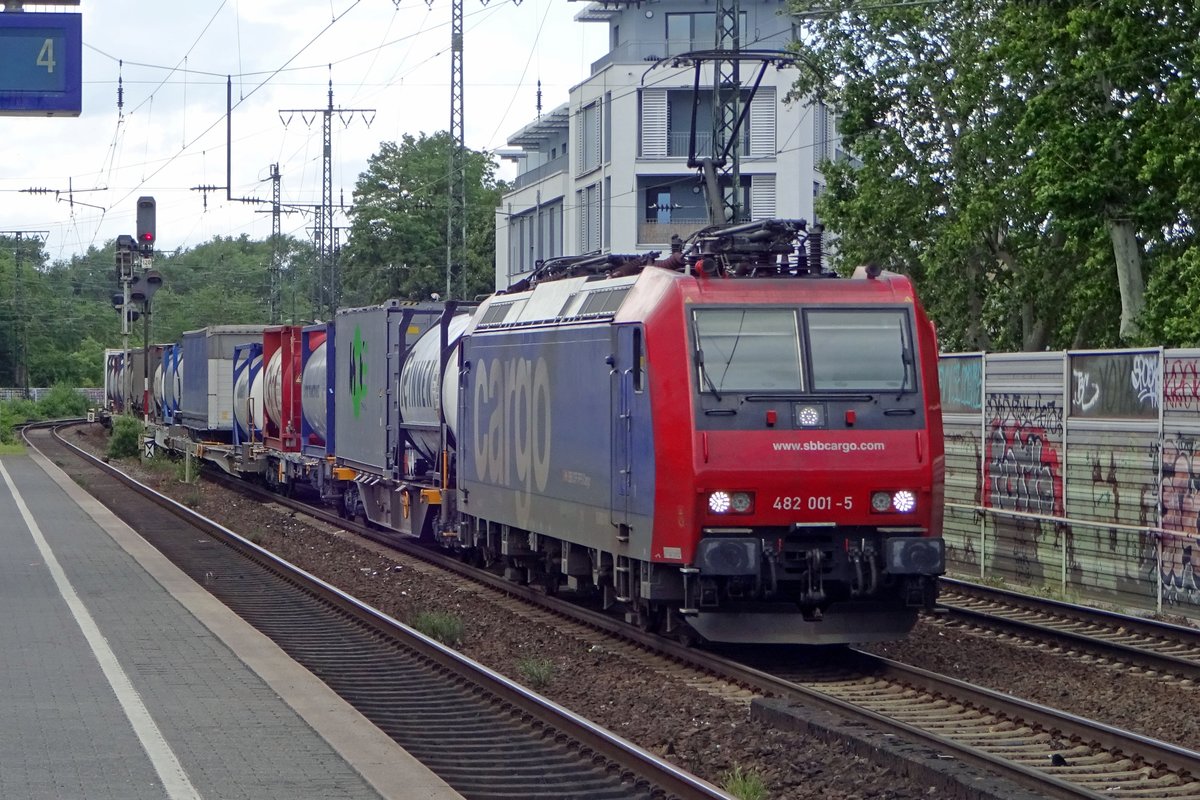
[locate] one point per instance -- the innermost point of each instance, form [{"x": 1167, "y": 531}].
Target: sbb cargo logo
[{"x": 510, "y": 416}]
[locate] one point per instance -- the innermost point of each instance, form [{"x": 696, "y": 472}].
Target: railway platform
[{"x": 122, "y": 679}]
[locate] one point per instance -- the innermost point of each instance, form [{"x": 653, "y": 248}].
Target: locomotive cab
[{"x": 818, "y": 462}]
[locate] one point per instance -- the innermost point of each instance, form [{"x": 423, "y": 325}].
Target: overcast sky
[{"x": 170, "y": 135}]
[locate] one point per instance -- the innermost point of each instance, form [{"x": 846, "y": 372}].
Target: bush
[
  {"x": 62, "y": 402},
  {"x": 126, "y": 439},
  {"x": 747, "y": 785},
  {"x": 446, "y": 628},
  {"x": 536, "y": 672}
]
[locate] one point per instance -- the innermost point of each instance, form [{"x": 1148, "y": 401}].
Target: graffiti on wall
[
  {"x": 961, "y": 383},
  {"x": 1119, "y": 491},
  {"x": 1181, "y": 383},
  {"x": 1023, "y": 469},
  {"x": 1115, "y": 385},
  {"x": 1180, "y": 519},
  {"x": 961, "y": 528}
]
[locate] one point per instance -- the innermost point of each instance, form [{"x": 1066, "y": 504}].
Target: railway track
[
  {"x": 1100, "y": 636},
  {"x": 485, "y": 735},
  {"x": 1048, "y": 752},
  {"x": 1058, "y": 754}
]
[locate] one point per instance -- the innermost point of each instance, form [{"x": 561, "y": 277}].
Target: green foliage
[
  {"x": 397, "y": 242},
  {"x": 62, "y": 402},
  {"x": 1002, "y": 151},
  {"x": 443, "y": 626},
  {"x": 536, "y": 672},
  {"x": 126, "y": 438},
  {"x": 747, "y": 785},
  {"x": 8, "y": 436}
]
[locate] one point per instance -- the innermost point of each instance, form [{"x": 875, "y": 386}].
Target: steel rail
[{"x": 645, "y": 767}]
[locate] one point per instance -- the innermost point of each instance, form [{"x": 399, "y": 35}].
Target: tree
[
  {"x": 397, "y": 245},
  {"x": 1043, "y": 155},
  {"x": 1112, "y": 120}
]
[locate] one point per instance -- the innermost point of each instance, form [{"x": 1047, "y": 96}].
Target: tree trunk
[{"x": 1128, "y": 257}]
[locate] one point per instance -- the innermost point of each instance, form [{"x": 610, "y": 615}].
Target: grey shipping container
[
  {"x": 371, "y": 343},
  {"x": 207, "y": 402}
]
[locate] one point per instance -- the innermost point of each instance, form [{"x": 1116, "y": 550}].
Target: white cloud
[{"x": 171, "y": 134}]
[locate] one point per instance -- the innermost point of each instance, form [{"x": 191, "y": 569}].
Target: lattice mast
[
  {"x": 456, "y": 205},
  {"x": 727, "y": 87}
]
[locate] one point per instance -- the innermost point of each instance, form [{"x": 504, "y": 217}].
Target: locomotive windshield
[
  {"x": 860, "y": 349},
  {"x": 759, "y": 350},
  {"x": 743, "y": 349}
]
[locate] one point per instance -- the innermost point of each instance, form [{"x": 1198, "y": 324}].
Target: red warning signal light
[{"x": 145, "y": 221}]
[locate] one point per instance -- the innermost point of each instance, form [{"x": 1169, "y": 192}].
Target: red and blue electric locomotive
[{"x": 730, "y": 443}]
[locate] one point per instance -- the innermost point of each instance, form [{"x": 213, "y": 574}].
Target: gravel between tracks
[{"x": 683, "y": 724}]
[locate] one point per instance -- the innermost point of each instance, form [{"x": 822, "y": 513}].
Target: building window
[
  {"x": 695, "y": 31},
  {"x": 824, "y": 134},
  {"x": 679, "y": 123},
  {"x": 588, "y": 200},
  {"x": 589, "y": 137}
]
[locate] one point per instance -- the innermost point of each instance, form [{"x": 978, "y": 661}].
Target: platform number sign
[{"x": 40, "y": 64}]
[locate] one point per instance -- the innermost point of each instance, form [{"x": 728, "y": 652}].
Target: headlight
[
  {"x": 904, "y": 501},
  {"x": 719, "y": 502},
  {"x": 901, "y": 501},
  {"x": 810, "y": 416}
]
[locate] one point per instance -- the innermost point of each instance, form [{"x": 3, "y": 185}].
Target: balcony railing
[
  {"x": 677, "y": 143},
  {"x": 543, "y": 171},
  {"x": 659, "y": 233}
]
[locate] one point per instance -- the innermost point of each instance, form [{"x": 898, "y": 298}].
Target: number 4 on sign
[{"x": 46, "y": 56}]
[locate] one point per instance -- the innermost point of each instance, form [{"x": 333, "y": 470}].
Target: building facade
[{"x": 608, "y": 171}]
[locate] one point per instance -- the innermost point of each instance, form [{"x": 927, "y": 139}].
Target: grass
[
  {"x": 537, "y": 672},
  {"x": 747, "y": 785},
  {"x": 13, "y": 449},
  {"x": 446, "y": 628}
]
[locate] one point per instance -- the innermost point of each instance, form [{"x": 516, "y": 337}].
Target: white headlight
[
  {"x": 904, "y": 501},
  {"x": 809, "y": 416},
  {"x": 881, "y": 501},
  {"x": 719, "y": 502}
]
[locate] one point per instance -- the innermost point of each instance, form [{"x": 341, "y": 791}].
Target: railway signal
[{"x": 145, "y": 224}]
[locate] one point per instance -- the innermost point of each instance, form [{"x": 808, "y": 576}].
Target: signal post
[{"x": 134, "y": 259}]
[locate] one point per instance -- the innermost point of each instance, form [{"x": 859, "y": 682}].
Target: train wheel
[{"x": 646, "y": 617}]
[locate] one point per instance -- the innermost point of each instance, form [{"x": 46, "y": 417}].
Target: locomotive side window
[
  {"x": 741, "y": 350},
  {"x": 859, "y": 349}
]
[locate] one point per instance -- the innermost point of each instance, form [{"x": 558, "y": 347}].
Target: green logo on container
[{"x": 358, "y": 370}]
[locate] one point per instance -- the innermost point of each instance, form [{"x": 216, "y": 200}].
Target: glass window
[
  {"x": 748, "y": 350},
  {"x": 860, "y": 350}
]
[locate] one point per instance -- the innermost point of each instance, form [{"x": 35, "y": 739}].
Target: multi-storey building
[{"x": 608, "y": 170}]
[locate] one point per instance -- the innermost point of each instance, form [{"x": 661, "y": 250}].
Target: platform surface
[{"x": 122, "y": 679}]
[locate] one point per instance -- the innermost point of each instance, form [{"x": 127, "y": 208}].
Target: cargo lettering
[{"x": 515, "y": 436}]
